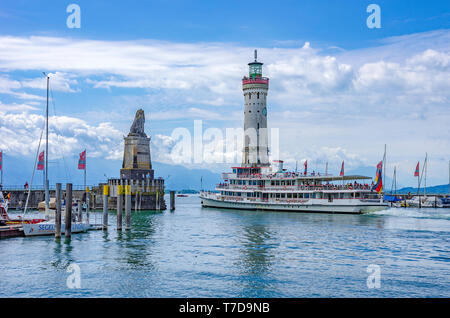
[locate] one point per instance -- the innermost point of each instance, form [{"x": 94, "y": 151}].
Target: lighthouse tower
[{"x": 255, "y": 88}]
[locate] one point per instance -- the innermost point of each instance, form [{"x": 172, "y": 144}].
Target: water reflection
[
  {"x": 135, "y": 245},
  {"x": 62, "y": 253},
  {"x": 255, "y": 259}
]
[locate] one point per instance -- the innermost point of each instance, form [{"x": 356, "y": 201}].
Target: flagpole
[
  {"x": 426, "y": 166},
  {"x": 384, "y": 164},
  {"x": 85, "y": 167},
  {"x": 1, "y": 168}
]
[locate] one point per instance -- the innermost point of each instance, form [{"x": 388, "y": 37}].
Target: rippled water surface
[{"x": 204, "y": 252}]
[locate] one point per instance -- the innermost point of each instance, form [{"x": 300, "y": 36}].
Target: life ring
[
  {"x": 245, "y": 187},
  {"x": 284, "y": 188}
]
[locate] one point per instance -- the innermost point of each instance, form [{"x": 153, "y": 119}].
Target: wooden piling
[
  {"x": 172, "y": 200},
  {"x": 87, "y": 204},
  {"x": 127, "y": 207},
  {"x": 68, "y": 216},
  {"x": 105, "y": 206},
  {"x": 58, "y": 211},
  {"x": 119, "y": 206},
  {"x": 80, "y": 211},
  {"x": 157, "y": 200}
]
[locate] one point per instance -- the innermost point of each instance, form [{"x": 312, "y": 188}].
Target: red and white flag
[
  {"x": 40, "y": 165},
  {"x": 416, "y": 173},
  {"x": 82, "y": 161},
  {"x": 342, "y": 169},
  {"x": 306, "y": 166}
]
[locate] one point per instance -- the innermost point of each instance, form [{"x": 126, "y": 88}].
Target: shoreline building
[
  {"x": 259, "y": 185},
  {"x": 147, "y": 193}
]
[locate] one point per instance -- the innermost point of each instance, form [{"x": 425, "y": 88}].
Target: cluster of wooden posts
[
  {"x": 123, "y": 199},
  {"x": 123, "y": 196}
]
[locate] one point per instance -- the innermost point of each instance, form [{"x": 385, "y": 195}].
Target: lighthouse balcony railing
[{"x": 255, "y": 80}]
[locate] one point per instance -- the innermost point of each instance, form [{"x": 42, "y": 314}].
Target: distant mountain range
[
  {"x": 439, "y": 189},
  {"x": 18, "y": 170}
]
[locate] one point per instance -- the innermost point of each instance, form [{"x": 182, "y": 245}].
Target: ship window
[
  {"x": 257, "y": 95},
  {"x": 283, "y": 195},
  {"x": 289, "y": 195},
  {"x": 249, "y": 95},
  {"x": 306, "y": 195}
]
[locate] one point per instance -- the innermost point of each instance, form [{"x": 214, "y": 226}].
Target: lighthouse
[{"x": 255, "y": 88}]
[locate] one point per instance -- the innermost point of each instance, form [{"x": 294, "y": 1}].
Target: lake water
[{"x": 204, "y": 252}]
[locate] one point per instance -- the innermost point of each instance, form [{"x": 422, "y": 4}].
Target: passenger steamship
[{"x": 258, "y": 185}]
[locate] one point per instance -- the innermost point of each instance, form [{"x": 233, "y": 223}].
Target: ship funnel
[{"x": 277, "y": 166}]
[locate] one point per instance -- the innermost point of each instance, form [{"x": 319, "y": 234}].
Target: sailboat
[{"x": 49, "y": 227}]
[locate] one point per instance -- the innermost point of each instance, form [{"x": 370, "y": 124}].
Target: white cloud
[
  {"x": 58, "y": 82},
  {"x": 20, "y": 132}
]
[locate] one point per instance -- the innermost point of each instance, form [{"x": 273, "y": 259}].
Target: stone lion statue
[{"x": 137, "y": 128}]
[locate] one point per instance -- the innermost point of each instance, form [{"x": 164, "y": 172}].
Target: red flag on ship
[
  {"x": 306, "y": 166},
  {"x": 82, "y": 161},
  {"x": 40, "y": 165},
  {"x": 416, "y": 173},
  {"x": 342, "y": 169}
]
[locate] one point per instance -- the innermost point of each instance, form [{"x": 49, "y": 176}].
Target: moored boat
[
  {"x": 7, "y": 220},
  {"x": 49, "y": 228}
]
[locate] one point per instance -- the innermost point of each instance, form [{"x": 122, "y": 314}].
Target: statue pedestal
[{"x": 137, "y": 164}]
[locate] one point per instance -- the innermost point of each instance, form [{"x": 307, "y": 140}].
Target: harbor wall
[{"x": 139, "y": 201}]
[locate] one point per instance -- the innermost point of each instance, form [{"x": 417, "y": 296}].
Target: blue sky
[
  {"x": 339, "y": 90},
  {"x": 253, "y": 23}
]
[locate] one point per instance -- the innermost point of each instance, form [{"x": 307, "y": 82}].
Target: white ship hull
[
  {"x": 49, "y": 228},
  {"x": 311, "y": 206}
]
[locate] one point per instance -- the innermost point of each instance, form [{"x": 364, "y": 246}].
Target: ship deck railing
[{"x": 295, "y": 187}]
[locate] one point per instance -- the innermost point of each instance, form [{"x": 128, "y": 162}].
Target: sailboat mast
[{"x": 47, "y": 199}]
